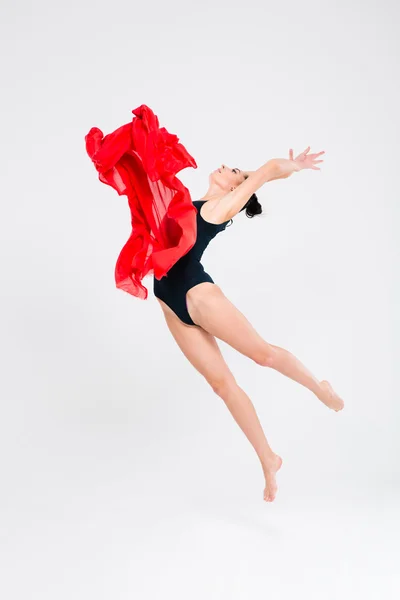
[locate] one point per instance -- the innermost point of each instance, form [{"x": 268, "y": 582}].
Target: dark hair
[{"x": 252, "y": 206}]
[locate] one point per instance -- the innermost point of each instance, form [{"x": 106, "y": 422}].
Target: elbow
[{"x": 271, "y": 170}]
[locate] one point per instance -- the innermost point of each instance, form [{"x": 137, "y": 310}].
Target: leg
[
  {"x": 203, "y": 352},
  {"x": 211, "y": 309}
]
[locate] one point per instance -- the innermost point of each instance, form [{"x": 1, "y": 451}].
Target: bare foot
[
  {"x": 270, "y": 467},
  {"x": 330, "y": 397}
]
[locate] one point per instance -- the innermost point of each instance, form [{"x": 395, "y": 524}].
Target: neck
[{"x": 214, "y": 192}]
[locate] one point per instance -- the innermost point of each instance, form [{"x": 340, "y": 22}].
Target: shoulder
[{"x": 211, "y": 212}]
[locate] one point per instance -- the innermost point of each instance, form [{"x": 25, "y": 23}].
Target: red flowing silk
[{"x": 140, "y": 160}]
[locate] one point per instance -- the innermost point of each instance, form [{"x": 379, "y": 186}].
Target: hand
[
  {"x": 281, "y": 168},
  {"x": 305, "y": 160}
]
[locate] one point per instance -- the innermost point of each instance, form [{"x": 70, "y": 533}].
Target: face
[{"x": 226, "y": 177}]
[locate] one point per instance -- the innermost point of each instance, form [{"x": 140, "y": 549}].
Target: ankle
[
  {"x": 319, "y": 390},
  {"x": 267, "y": 460}
]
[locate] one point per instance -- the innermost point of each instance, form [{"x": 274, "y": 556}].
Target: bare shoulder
[{"x": 211, "y": 212}]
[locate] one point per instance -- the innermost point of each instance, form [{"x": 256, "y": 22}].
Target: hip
[{"x": 180, "y": 281}]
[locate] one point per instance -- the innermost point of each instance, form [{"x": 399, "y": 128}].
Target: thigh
[
  {"x": 200, "y": 348},
  {"x": 215, "y": 313}
]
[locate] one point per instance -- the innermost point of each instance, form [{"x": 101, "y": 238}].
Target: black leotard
[{"x": 188, "y": 270}]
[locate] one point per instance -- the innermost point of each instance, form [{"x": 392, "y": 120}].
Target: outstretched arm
[{"x": 276, "y": 168}]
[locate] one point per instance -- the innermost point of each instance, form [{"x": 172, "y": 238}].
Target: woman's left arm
[
  {"x": 285, "y": 167},
  {"x": 276, "y": 168}
]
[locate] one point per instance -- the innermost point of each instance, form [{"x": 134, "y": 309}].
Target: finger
[
  {"x": 291, "y": 154},
  {"x": 315, "y": 168},
  {"x": 303, "y": 154},
  {"x": 317, "y": 161},
  {"x": 319, "y": 153}
]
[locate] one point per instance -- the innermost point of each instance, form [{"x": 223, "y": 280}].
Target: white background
[{"x": 122, "y": 474}]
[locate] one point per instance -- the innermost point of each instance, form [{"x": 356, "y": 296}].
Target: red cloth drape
[{"x": 140, "y": 160}]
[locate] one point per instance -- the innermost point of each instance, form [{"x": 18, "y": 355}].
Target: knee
[
  {"x": 222, "y": 385},
  {"x": 266, "y": 357}
]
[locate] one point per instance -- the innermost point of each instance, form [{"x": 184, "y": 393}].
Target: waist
[{"x": 183, "y": 270}]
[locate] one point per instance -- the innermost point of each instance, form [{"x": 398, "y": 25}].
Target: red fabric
[{"x": 140, "y": 160}]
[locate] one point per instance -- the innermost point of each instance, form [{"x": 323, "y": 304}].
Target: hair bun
[{"x": 252, "y": 207}]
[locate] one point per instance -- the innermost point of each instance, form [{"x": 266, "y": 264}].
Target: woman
[{"x": 197, "y": 311}]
